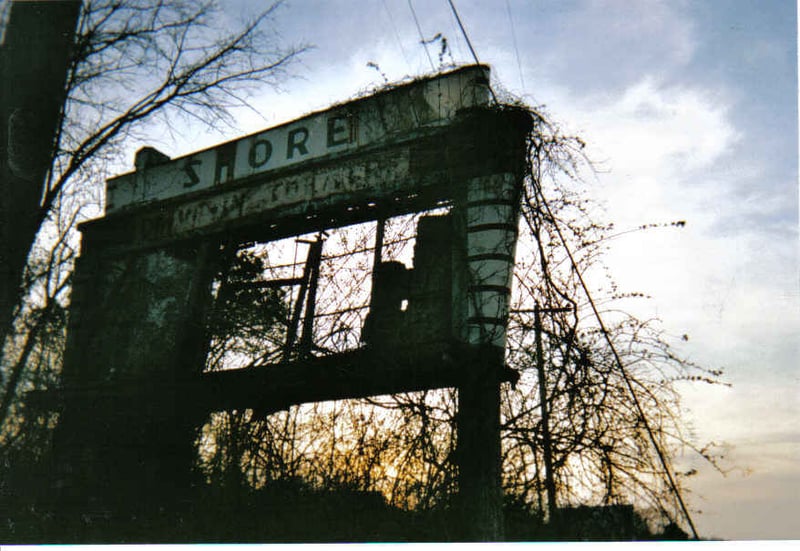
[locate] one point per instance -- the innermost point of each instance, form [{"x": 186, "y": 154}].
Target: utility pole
[
  {"x": 35, "y": 49},
  {"x": 549, "y": 479}
]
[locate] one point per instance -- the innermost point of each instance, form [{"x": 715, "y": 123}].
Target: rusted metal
[{"x": 314, "y": 261}]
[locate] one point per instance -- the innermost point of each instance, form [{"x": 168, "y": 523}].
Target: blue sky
[{"x": 690, "y": 108}]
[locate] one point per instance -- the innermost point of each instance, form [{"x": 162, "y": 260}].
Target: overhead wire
[
  {"x": 603, "y": 328},
  {"x": 463, "y": 31},
  {"x": 421, "y": 36},
  {"x": 662, "y": 458},
  {"x": 516, "y": 48},
  {"x": 469, "y": 43},
  {"x": 457, "y": 43},
  {"x": 396, "y": 34}
]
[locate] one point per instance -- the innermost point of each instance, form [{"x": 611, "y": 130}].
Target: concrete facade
[{"x": 133, "y": 388}]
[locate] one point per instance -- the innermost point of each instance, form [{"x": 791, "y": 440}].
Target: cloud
[
  {"x": 654, "y": 143},
  {"x": 760, "y": 502},
  {"x": 651, "y": 139},
  {"x": 605, "y": 45},
  {"x": 688, "y": 119},
  {"x": 729, "y": 278}
]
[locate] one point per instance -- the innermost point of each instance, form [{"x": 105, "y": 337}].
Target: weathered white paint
[
  {"x": 490, "y": 272},
  {"x": 491, "y": 244},
  {"x": 493, "y": 241},
  {"x": 302, "y": 193},
  {"x": 384, "y": 118},
  {"x": 490, "y": 214}
]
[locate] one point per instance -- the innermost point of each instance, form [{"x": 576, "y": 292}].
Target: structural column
[
  {"x": 488, "y": 218},
  {"x": 126, "y": 435}
]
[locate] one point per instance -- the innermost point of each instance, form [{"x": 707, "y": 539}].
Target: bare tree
[
  {"x": 135, "y": 66},
  {"x": 608, "y": 381},
  {"x": 609, "y": 387}
]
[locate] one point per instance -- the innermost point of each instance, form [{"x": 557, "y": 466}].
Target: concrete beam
[
  {"x": 393, "y": 116},
  {"x": 355, "y": 374},
  {"x": 393, "y": 179}
]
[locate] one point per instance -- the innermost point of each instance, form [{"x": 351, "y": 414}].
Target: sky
[{"x": 690, "y": 109}]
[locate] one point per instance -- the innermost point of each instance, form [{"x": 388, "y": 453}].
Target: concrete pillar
[
  {"x": 486, "y": 219},
  {"x": 126, "y": 435}
]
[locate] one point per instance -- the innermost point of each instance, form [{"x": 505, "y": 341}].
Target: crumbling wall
[{"x": 136, "y": 331}]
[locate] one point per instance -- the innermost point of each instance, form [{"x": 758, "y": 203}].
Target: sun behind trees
[
  {"x": 402, "y": 446},
  {"x": 133, "y": 67},
  {"x": 608, "y": 386}
]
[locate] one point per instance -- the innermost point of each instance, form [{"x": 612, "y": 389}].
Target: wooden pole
[{"x": 549, "y": 480}]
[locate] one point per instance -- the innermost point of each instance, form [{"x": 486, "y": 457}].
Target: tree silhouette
[
  {"x": 608, "y": 380},
  {"x": 134, "y": 66},
  {"x": 609, "y": 383}
]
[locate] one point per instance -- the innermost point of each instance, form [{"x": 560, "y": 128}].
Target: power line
[
  {"x": 463, "y": 31},
  {"x": 618, "y": 361},
  {"x": 458, "y": 40},
  {"x": 469, "y": 42},
  {"x": 421, "y": 36},
  {"x": 514, "y": 40},
  {"x": 396, "y": 34}
]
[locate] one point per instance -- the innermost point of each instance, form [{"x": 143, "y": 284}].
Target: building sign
[
  {"x": 390, "y": 117},
  {"x": 137, "y": 334}
]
